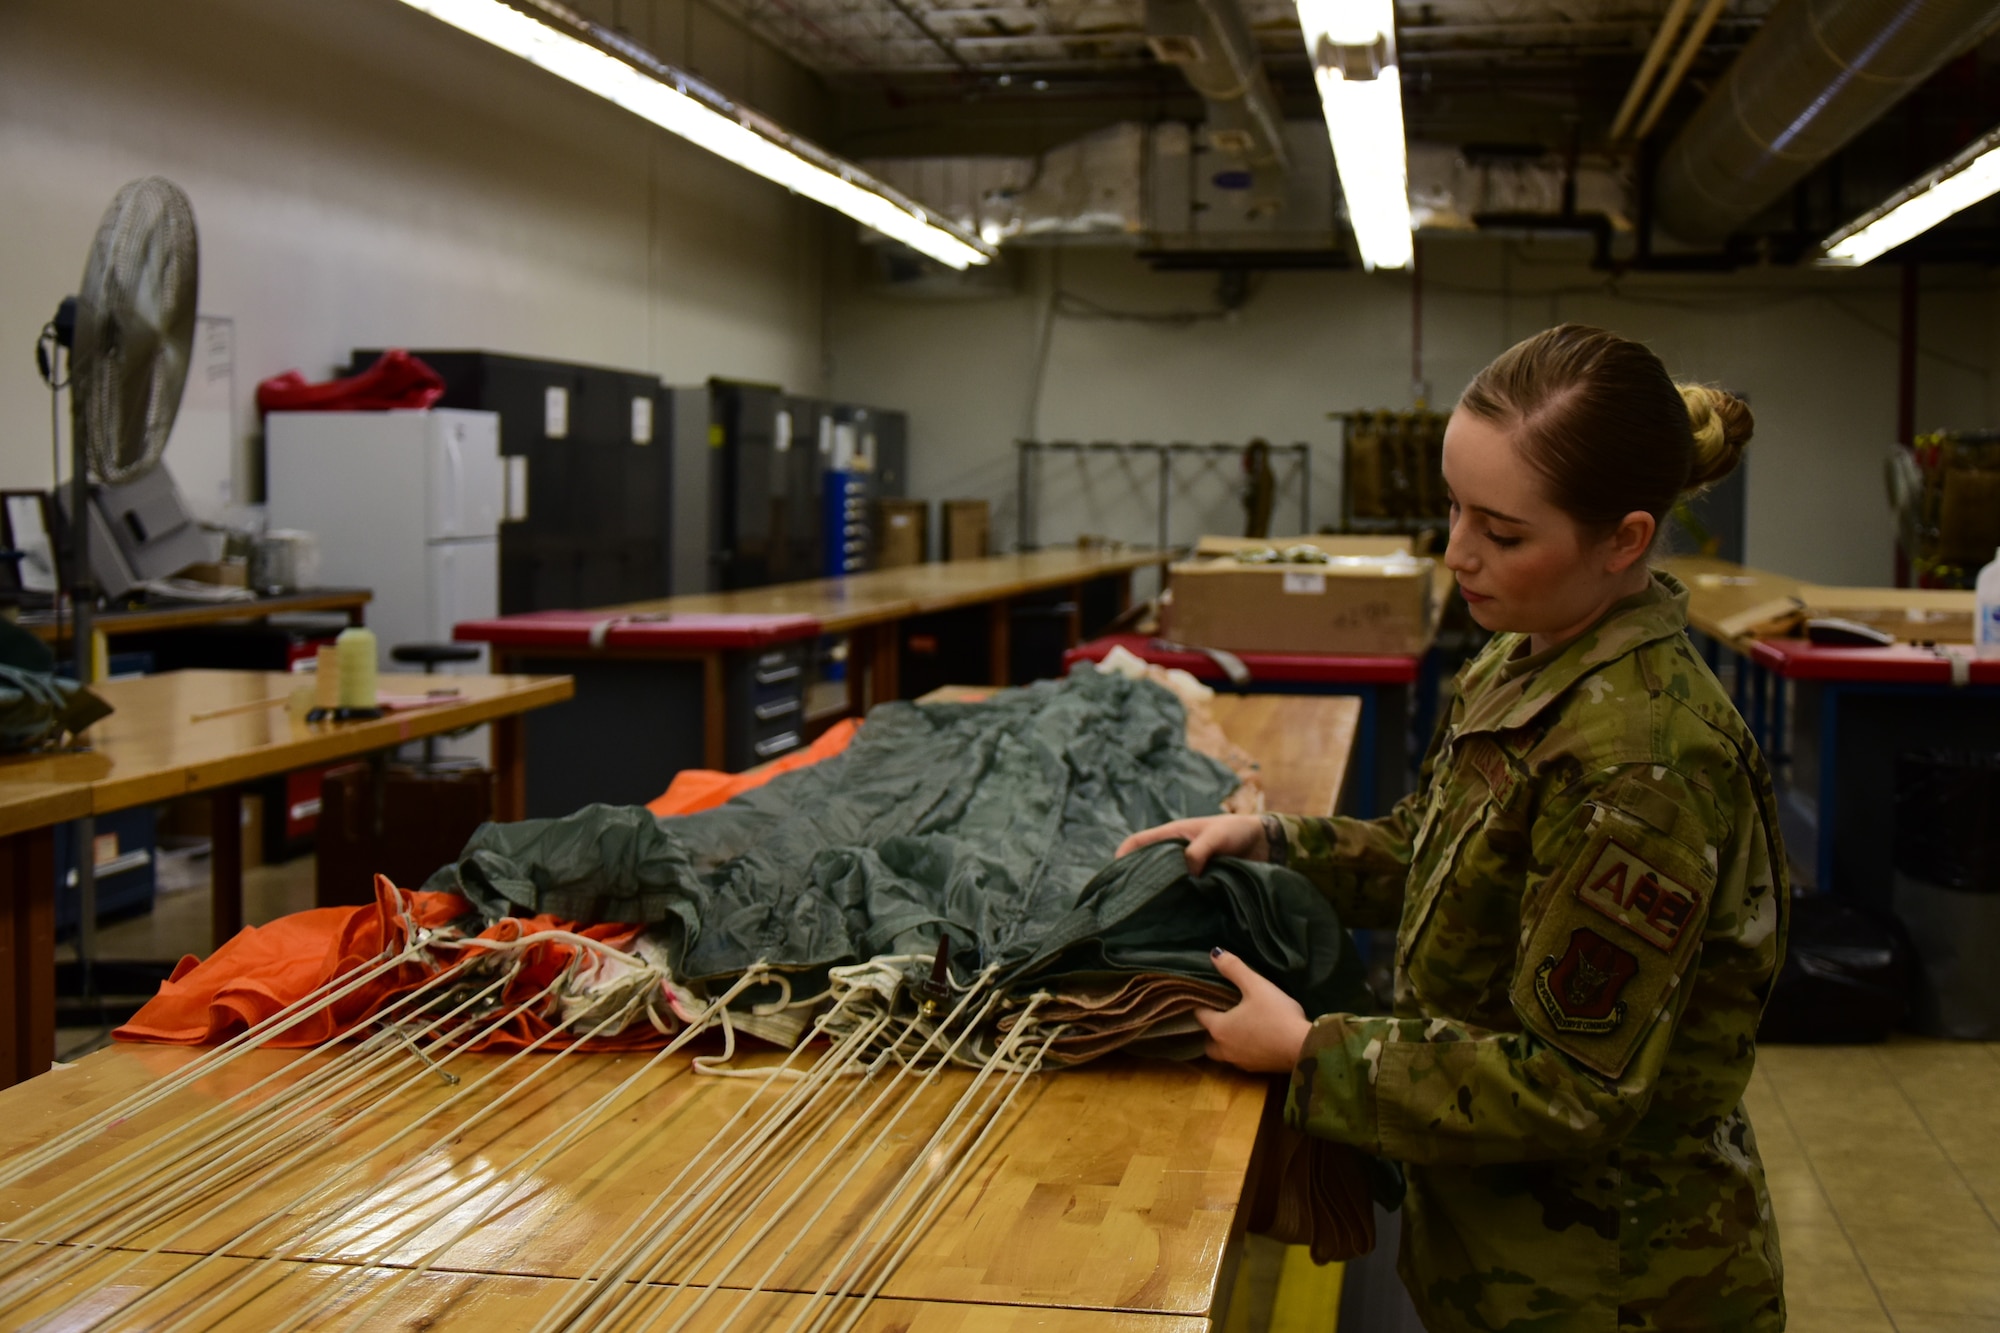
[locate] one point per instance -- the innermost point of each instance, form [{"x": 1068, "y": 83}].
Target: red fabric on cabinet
[{"x": 396, "y": 380}]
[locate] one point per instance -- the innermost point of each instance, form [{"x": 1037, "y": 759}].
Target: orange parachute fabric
[
  {"x": 266, "y": 968},
  {"x": 697, "y": 789}
]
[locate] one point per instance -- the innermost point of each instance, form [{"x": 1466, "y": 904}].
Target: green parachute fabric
[
  {"x": 995, "y": 823},
  {"x": 36, "y": 705}
]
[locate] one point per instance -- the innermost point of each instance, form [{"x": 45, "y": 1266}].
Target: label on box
[
  {"x": 642, "y": 419},
  {"x": 104, "y": 849},
  {"x": 1302, "y": 581},
  {"x": 555, "y": 412}
]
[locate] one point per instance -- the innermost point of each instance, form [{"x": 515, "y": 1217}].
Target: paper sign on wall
[
  {"x": 514, "y": 477},
  {"x": 203, "y": 452}
]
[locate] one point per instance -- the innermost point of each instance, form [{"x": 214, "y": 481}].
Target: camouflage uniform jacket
[{"x": 1590, "y": 898}]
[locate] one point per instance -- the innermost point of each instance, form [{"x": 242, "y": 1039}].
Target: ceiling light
[
  {"x": 1353, "y": 48},
  {"x": 683, "y": 106},
  {"x": 1917, "y": 207}
]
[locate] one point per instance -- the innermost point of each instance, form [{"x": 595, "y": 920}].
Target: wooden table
[
  {"x": 1109, "y": 1200},
  {"x": 1719, "y": 591},
  {"x": 186, "y": 615},
  {"x": 660, "y": 665},
  {"x": 152, "y": 749}
]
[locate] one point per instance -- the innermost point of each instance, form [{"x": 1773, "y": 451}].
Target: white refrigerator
[{"x": 407, "y": 504}]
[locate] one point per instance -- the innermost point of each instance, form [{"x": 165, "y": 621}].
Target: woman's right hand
[{"x": 1208, "y": 837}]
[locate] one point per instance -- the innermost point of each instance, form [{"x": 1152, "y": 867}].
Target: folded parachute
[{"x": 993, "y": 823}]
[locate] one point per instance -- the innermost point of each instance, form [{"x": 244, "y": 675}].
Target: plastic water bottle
[{"x": 1987, "y": 632}]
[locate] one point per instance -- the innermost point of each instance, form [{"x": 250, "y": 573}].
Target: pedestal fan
[{"x": 129, "y": 332}]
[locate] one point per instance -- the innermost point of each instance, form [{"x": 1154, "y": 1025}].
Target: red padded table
[
  {"x": 1853, "y": 706},
  {"x": 1901, "y": 664},
  {"x": 655, "y": 635}
]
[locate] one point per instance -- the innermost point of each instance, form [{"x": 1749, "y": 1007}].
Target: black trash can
[{"x": 1946, "y": 890}]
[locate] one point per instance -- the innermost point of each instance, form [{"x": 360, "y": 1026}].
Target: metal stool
[{"x": 430, "y": 656}]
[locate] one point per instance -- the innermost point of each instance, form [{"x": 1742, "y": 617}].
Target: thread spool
[{"x": 355, "y": 650}]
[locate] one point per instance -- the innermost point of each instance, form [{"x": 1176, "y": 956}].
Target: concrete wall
[
  {"x": 1135, "y": 355},
  {"x": 364, "y": 176}
]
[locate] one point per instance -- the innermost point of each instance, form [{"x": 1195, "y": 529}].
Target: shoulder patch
[
  {"x": 1614, "y": 933},
  {"x": 1645, "y": 900},
  {"x": 1580, "y": 990}
]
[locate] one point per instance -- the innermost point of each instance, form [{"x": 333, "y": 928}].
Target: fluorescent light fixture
[
  {"x": 1353, "y": 48},
  {"x": 1913, "y": 210},
  {"x": 681, "y": 105}
]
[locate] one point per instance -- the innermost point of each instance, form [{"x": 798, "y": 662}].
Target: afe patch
[
  {"x": 1625, "y": 889},
  {"x": 1580, "y": 989}
]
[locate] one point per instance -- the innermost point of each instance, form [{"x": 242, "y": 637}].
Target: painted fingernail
[{"x": 1216, "y": 952}]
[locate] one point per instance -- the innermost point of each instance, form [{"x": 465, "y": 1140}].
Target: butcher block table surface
[{"x": 1107, "y": 1198}]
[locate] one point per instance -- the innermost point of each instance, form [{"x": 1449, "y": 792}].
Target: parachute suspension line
[
  {"x": 198, "y": 1316},
  {"x": 120, "y": 1187},
  {"x": 940, "y": 1193},
  {"x": 521, "y": 1170},
  {"x": 600, "y": 1281},
  {"x": 672, "y": 1237},
  {"x": 919, "y": 1164},
  {"x": 208, "y": 1063},
  {"x": 312, "y": 1146},
  {"x": 827, "y": 1159}
]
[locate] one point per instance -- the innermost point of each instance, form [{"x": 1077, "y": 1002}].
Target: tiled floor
[{"x": 1884, "y": 1165}]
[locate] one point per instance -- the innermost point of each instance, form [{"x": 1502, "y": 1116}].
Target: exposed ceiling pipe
[
  {"x": 1815, "y": 75},
  {"x": 1683, "y": 61},
  {"x": 1656, "y": 54}
]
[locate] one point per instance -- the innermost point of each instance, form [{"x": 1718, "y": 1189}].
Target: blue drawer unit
[
  {"x": 125, "y": 882},
  {"x": 844, "y": 524}
]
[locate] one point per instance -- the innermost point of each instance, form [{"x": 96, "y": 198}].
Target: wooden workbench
[
  {"x": 152, "y": 749},
  {"x": 1110, "y": 1199},
  {"x": 187, "y": 615}
]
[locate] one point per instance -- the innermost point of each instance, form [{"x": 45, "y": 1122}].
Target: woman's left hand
[{"x": 1264, "y": 1032}]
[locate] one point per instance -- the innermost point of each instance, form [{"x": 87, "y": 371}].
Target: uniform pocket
[{"x": 1433, "y": 868}]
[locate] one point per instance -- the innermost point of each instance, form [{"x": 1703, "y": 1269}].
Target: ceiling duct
[
  {"x": 1816, "y": 74},
  {"x": 1209, "y": 42}
]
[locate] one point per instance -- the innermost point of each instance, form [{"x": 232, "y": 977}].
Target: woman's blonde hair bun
[{"x": 1722, "y": 426}]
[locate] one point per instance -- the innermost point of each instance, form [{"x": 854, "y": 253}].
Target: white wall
[
  {"x": 1815, "y": 353},
  {"x": 364, "y": 176}
]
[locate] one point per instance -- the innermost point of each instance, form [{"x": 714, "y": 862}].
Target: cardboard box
[
  {"x": 905, "y": 536},
  {"x": 966, "y": 524},
  {"x": 1367, "y": 600},
  {"x": 1333, "y": 543}
]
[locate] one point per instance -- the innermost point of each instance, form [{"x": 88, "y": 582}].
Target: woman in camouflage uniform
[{"x": 1589, "y": 892}]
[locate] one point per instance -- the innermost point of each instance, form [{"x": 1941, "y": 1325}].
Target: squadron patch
[
  {"x": 1639, "y": 897},
  {"x": 1580, "y": 989}
]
